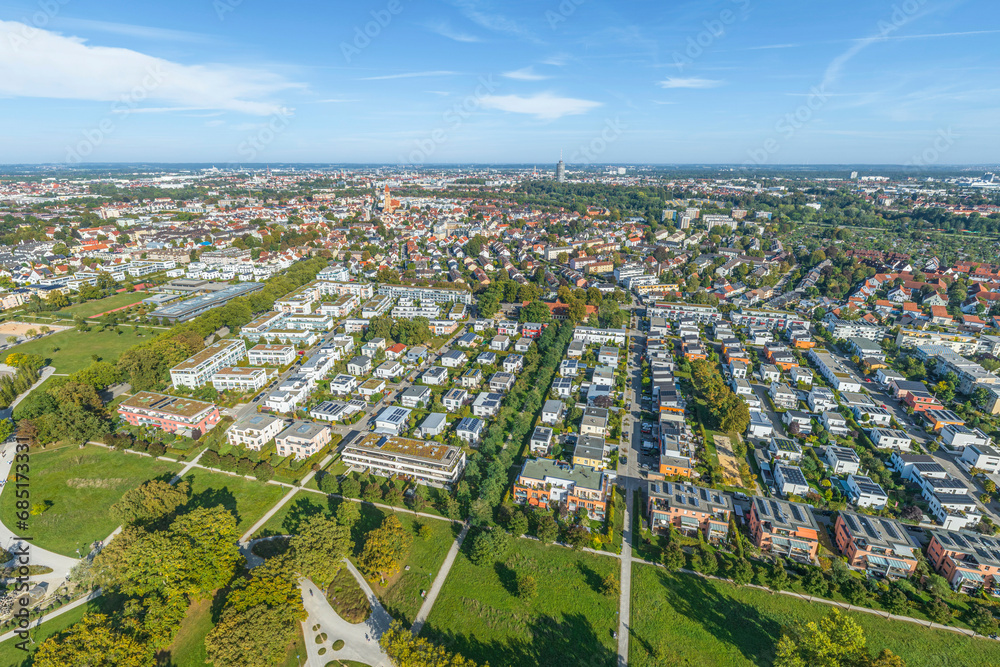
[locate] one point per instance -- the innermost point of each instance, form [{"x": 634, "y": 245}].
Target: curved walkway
[{"x": 360, "y": 640}]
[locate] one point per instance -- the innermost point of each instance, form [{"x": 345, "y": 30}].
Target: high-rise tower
[{"x": 561, "y": 169}]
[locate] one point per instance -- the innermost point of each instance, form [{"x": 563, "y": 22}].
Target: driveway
[{"x": 360, "y": 640}]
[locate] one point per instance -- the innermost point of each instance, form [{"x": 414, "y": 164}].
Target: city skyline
[{"x": 731, "y": 82}]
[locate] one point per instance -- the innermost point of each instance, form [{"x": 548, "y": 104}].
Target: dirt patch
[
  {"x": 728, "y": 462},
  {"x": 99, "y": 483},
  {"x": 21, "y": 328}
]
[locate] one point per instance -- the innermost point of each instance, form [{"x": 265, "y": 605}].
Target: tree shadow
[
  {"x": 568, "y": 642},
  {"x": 213, "y": 498},
  {"x": 299, "y": 512},
  {"x": 507, "y": 576},
  {"x": 727, "y": 619},
  {"x": 591, "y": 577}
]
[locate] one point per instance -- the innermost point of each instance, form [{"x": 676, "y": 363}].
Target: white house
[
  {"x": 842, "y": 460},
  {"x": 984, "y": 457},
  {"x": 863, "y": 492},
  {"x": 888, "y": 438},
  {"x": 760, "y": 425},
  {"x": 789, "y": 480}
]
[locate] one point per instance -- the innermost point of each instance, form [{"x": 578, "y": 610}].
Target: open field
[
  {"x": 21, "y": 328},
  {"x": 11, "y": 656},
  {"x": 80, "y": 484},
  {"x": 188, "y": 647},
  {"x": 248, "y": 499},
  {"x": 69, "y": 351},
  {"x": 728, "y": 461},
  {"x": 683, "y": 619},
  {"x": 113, "y": 302},
  {"x": 568, "y": 623}
]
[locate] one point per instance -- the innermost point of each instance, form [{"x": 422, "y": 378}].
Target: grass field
[
  {"x": 81, "y": 484},
  {"x": 347, "y": 598},
  {"x": 99, "y": 306},
  {"x": 188, "y": 647},
  {"x": 11, "y": 656},
  {"x": 249, "y": 499},
  {"x": 569, "y": 622},
  {"x": 682, "y": 619},
  {"x": 69, "y": 351}
]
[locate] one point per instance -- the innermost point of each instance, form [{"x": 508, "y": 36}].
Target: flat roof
[
  {"x": 170, "y": 405},
  {"x": 393, "y": 444}
]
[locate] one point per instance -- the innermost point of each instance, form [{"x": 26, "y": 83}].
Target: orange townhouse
[
  {"x": 689, "y": 509},
  {"x": 878, "y": 545},
  {"x": 784, "y": 528},
  {"x": 968, "y": 561},
  {"x": 547, "y": 482}
]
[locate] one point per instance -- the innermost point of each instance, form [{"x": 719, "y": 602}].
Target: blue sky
[{"x": 401, "y": 81}]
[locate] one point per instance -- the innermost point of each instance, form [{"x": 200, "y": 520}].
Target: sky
[{"x": 487, "y": 81}]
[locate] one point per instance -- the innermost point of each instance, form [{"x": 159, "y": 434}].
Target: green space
[
  {"x": 71, "y": 350},
  {"x": 248, "y": 499},
  {"x": 188, "y": 647},
  {"x": 287, "y": 519},
  {"x": 686, "y": 619},
  {"x": 11, "y": 656},
  {"x": 73, "y": 488},
  {"x": 347, "y": 598},
  {"x": 99, "y": 306},
  {"x": 569, "y": 622}
]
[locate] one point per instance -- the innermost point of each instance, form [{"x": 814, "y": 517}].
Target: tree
[
  {"x": 150, "y": 502},
  {"x": 741, "y": 572},
  {"x": 518, "y": 524},
  {"x": 815, "y": 583},
  {"x": 407, "y": 650},
  {"x": 672, "y": 557},
  {"x": 980, "y": 619},
  {"x": 350, "y": 487},
  {"x": 894, "y": 600},
  {"x": 482, "y": 549},
  {"x": 319, "y": 548},
  {"x": 348, "y": 513},
  {"x": 536, "y": 311},
  {"x": 577, "y": 536},
  {"x": 385, "y": 548},
  {"x": 527, "y": 587},
  {"x": 834, "y": 641},
  {"x": 546, "y": 528},
  {"x": 610, "y": 586},
  {"x": 94, "y": 642},
  {"x": 938, "y": 610}
]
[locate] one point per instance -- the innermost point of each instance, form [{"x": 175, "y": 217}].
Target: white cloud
[
  {"x": 408, "y": 75},
  {"x": 479, "y": 12},
  {"x": 544, "y": 105},
  {"x": 525, "y": 74},
  {"x": 444, "y": 29},
  {"x": 691, "y": 82},
  {"x": 557, "y": 60},
  {"x": 40, "y": 63}
]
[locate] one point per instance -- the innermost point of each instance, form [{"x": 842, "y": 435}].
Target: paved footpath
[
  {"x": 61, "y": 610},
  {"x": 442, "y": 575},
  {"x": 625, "y": 600}
]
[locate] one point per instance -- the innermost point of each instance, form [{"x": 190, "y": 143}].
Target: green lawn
[
  {"x": 188, "y": 647},
  {"x": 568, "y": 623},
  {"x": 287, "y": 519},
  {"x": 81, "y": 484},
  {"x": 99, "y": 306},
  {"x": 11, "y": 656},
  {"x": 347, "y": 598},
  {"x": 249, "y": 499},
  {"x": 69, "y": 351},
  {"x": 682, "y": 619}
]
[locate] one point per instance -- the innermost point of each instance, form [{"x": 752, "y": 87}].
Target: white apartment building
[
  {"x": 239, "y": 378},
  {"x": 254, "y": 431},
  {"x": 678, "y": 311},
  {"x": 430, "y": 294},
  {"x": 428, "y": 462},
  {"x": 270, "y": 355},
  {"x": 769, "y": 319},
  {"x": 198, "y": 369}
]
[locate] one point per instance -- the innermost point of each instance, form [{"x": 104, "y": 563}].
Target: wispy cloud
[
  {"x": 481, "y": 13},
  {"x": 444, "y": 29},
  {"x": 129, "y": 30},
  {"x": 545, "y": 106},
  {"x": 878, "y": 38},
  {"x": 689, "y": 82},
  {"x": 408, "y": 75},
  {"x": 51, "y": 65},
  {"x": 525, "y": 74},
  {"x": 557, "y": 60}
]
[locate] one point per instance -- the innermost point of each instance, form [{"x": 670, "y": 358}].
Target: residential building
[
  {"x": 968, "y": 561},
  {"x": 589, "y": 451},
  {"x": 434, "y": 424},
  {"x": 783, "y": 449},
  {"x": 842, "y": 460},
  {"x": 760, "y": 425},
  {"x": 255, "y": 431},
  {"x": 552, "y": 411},
  {"x": 594, "y": 422},
  {"x": 541, "y": 441},
  {"x": 887, "y": 438},
  {"x": 239, "y": 378},
  {"x": 427, "y": 462},
  {"x": 545, "y": 482},
  {"x": 689, "y": 509},
  {"x": 789, "y": 480},
  {"x": 864, "y": 492},
  {"x": 784, "y": 528},
  {"x": 984, "y": 457},
  {"x": 173, "y": 414},
  {"x": 877, "y": 545},
  {"x": 415, "y": 396},
  {"x": 271, "y": 355},
  {"x": 487, "y": 404},
  {"x": 198, "y": 369},
  {"x": 470, "y": 430},
  {"x": 454, "y": 399}
]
